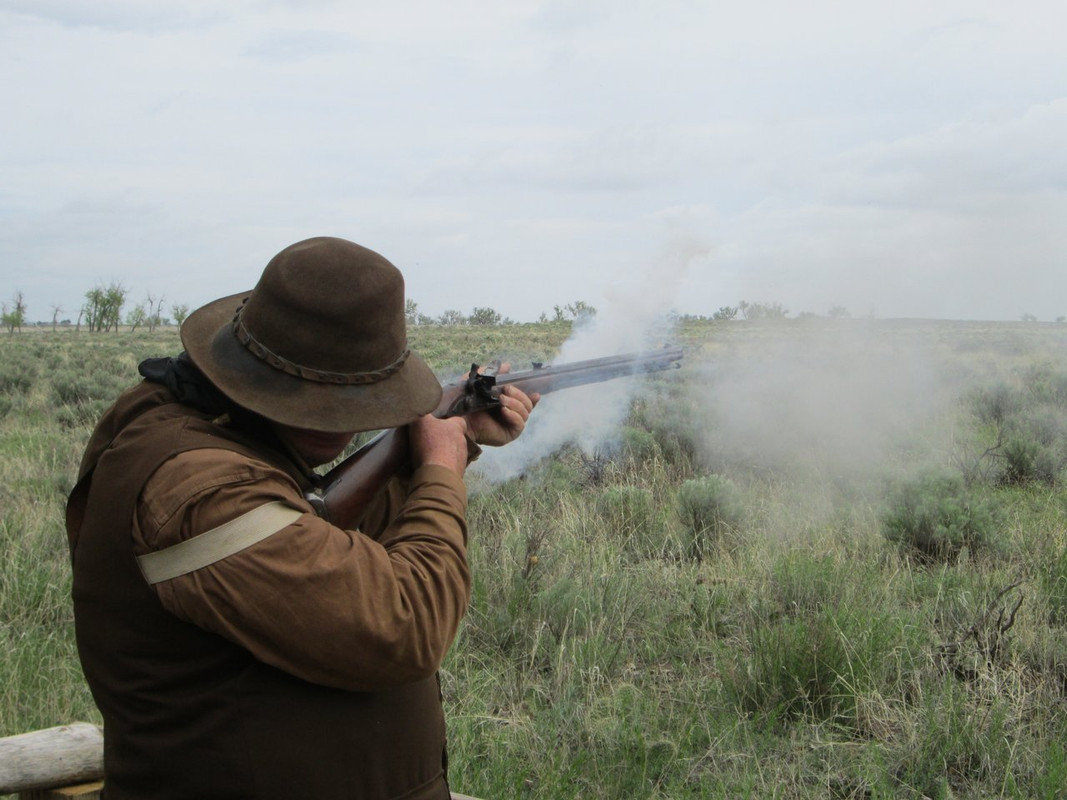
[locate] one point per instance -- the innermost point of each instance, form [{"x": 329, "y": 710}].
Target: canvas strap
[{"x": 218, "y": 543}]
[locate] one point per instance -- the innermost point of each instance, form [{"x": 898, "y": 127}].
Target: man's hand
[
  {"x": 502, "y": 425},
  {"x": 439, "y": 441}
]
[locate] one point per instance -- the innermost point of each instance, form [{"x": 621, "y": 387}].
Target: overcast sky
[{"x": 896, "y": 158}]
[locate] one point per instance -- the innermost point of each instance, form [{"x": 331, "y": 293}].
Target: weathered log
[
  {"x": 62, "y": 756},
  {"x": 83, "y": 791},
  {"x": 59, "y": 759}
]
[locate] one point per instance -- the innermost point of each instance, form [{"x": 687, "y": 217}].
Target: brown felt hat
[{"x": 319, "y": 343}]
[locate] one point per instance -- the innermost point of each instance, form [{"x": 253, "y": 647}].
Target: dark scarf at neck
[
  {"x": 190, "y": 387},
  {"x": 187, "y": 384}
]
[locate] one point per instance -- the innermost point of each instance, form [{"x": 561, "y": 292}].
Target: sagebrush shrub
[
  {"x": 935, "y": 516},
  {"x": 711, "y": 513},
  {"x": 17, "y": 375},
  {"x": 82, "y": 397},
  {"x": 1026, "y": 426},
  {"x": 638, "y": 445},
  {"x": 85, "y": 388},
  {"x": 1046, "y": 384},
  {"x": 1027, "y": 460},
  {"x": 995, "y": 405}
]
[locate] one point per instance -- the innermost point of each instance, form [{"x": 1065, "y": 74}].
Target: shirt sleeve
[{"x": 328, "y": 605}]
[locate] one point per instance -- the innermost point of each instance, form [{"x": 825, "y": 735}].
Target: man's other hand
[
  {"x": 439, "y": 441},
  {"x": 502, "y": 425}
]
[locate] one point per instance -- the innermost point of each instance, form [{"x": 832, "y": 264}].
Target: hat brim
[{"x": 405, "y": 395}]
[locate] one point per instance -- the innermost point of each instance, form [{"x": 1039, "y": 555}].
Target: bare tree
[
  {"x": 154, "y": 311},
  {"x": 14, "y": 315}
]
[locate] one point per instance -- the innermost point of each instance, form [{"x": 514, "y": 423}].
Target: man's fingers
[
  {"x": 518, "y": 411},
  {"x": 439, "y": 441},
  {"x": 516, "y": 400}
]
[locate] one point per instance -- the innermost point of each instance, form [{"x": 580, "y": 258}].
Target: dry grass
[{"x": 802, "y": 656}]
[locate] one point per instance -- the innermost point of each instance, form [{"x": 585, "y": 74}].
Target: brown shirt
[
  {"x": 198, "y": 709},
  {"x": 351, "y": 610}
]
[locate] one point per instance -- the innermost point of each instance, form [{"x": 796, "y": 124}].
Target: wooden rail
[
  {"x": 62, "y": 763},
  {"x": 69, "y": 759}
]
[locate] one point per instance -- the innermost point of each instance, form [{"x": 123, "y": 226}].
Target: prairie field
[{"x": 825, "y": 558}]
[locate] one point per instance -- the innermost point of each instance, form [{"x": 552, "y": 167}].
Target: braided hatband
[{"x": 256, "y": 348}]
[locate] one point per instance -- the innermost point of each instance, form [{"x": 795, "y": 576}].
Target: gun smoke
[
  {"x": 839, "y": 401},
  {"x": 636, "y": 318},
  {"x": 587, "y": 416}
]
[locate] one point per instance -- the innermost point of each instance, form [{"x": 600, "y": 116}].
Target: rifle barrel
[
  {"x": 344, "y": 492},
  {"x": 594, "y": 370}
]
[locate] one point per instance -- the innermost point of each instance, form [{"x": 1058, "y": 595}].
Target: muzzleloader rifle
[{"x": 343, "y": 494}]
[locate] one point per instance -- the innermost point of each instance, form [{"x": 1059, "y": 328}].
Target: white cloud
[{"x": 900, "y": 157}]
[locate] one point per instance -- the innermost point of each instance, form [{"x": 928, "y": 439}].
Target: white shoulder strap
[{"x": 218, "y": 543}]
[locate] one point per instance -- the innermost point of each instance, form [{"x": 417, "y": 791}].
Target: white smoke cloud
[
  {"x": 637, "y": 318},
  {"x": 838, "y": 400}
]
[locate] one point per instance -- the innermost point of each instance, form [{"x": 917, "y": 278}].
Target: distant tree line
[
  {"x": 577, "y": 311},
  {"x": 104, "y": 305},
  {"x": 775, "y": 311},
  {"x": 752, "y": 311},
  {"x": 101, "y": 312}
]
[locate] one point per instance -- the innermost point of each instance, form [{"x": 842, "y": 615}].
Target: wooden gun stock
[{"x": 345, "y": 491}]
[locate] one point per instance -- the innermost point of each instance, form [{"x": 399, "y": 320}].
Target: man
[{"x": 238, "y": 645}]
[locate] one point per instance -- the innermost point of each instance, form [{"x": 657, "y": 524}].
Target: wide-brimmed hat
[{"x": 319, "y": 343}]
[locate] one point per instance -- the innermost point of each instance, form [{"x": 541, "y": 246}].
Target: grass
[{"x": 710, "y": 604}]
